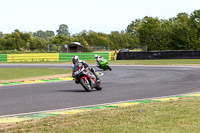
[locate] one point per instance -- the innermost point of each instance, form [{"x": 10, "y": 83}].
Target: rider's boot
[
  {"x": 97, "y": 77},
  {"x": 76, "y": 81}
]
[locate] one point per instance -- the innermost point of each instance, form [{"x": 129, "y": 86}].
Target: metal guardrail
[{"x": 167, "y": 54}]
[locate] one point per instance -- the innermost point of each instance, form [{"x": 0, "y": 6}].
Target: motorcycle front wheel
[
  {"x": 109, "y": 68},
  {"x": 85, "y": 84},
  {"x": 98, "y": 88}
]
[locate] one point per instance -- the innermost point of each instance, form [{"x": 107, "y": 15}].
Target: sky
[{"x": 97, "y": 15}]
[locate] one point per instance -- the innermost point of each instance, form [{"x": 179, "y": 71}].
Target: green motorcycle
[{"x": 103, "y": 64}]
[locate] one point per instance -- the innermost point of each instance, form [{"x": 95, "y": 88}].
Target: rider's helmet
[
  {"x": 75, "y": 59},
  {"x": 95, "y": 55}
]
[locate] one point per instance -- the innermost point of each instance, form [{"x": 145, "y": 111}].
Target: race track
[{"x": 121, "y": 84}]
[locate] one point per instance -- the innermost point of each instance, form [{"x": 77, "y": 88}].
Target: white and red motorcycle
[{"x": 85, "y": 77}]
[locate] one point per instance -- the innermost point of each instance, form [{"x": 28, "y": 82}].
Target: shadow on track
[{"x": 73, "y": 90}]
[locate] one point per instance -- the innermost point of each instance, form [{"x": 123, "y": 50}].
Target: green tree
[
  {"x": 132, "y": 28},
  {"x": 63, "y": 30},
  {"x": 80, "y": 39},
  {"x": 149, "y": 32},
  {"x": 184, "y": 37},
  {"x": 97, "y": 39},
  {"x": 1, "y": 46},
  {"x": 123, "y": 40},
  {"x": 17, "y": 40},
  {"x": 47, "y": 35},
  {"x": 61, "y": 39},
  {"x": 37, "y": 44},
  {"x": 50, "y": 33},
  {"x": 1, "y": 34},
  {"x": 194, "y": 22},
  {"x": 165, "y": 35},
  {"x": 40, "y": 33}
]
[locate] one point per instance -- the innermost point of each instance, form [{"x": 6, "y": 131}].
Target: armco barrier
[
  {"x": 49, "y": 57},
  {"x": 3, "y": 57},
  {"x": 82, "y": 56},
  {"x": 178, "y": 54}
]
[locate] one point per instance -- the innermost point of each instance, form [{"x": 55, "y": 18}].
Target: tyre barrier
[{"x": 168, "y": 54}]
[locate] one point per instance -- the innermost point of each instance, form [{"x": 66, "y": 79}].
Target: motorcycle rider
[
  {"x": 75, "y": 60},
  {"x": 97, "y": 59}
]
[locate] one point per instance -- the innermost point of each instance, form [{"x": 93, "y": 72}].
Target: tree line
[{"x": 178, "y": 33}]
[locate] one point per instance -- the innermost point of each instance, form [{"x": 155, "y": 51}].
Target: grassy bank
[
  {"x": 176, "y": 116},
  {"x": 18, "y": 73}
]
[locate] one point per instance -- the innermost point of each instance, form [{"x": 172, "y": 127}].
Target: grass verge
[
  {"x": 18, "y": 73},
  {"x": 129, "y": 62},
  {"x": 157, "y": 62},
  {"x": 175, "y": 116}
]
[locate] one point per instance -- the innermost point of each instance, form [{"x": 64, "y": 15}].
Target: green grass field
[
  {"x": 176, "y": 116},
  {"x": 18, "y": 73}
]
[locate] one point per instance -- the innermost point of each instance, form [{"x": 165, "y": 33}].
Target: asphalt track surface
[{"x": 121, "y": 84}]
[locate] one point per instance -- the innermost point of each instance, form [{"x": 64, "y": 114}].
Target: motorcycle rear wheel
[{"x": 86, "y": 84}]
